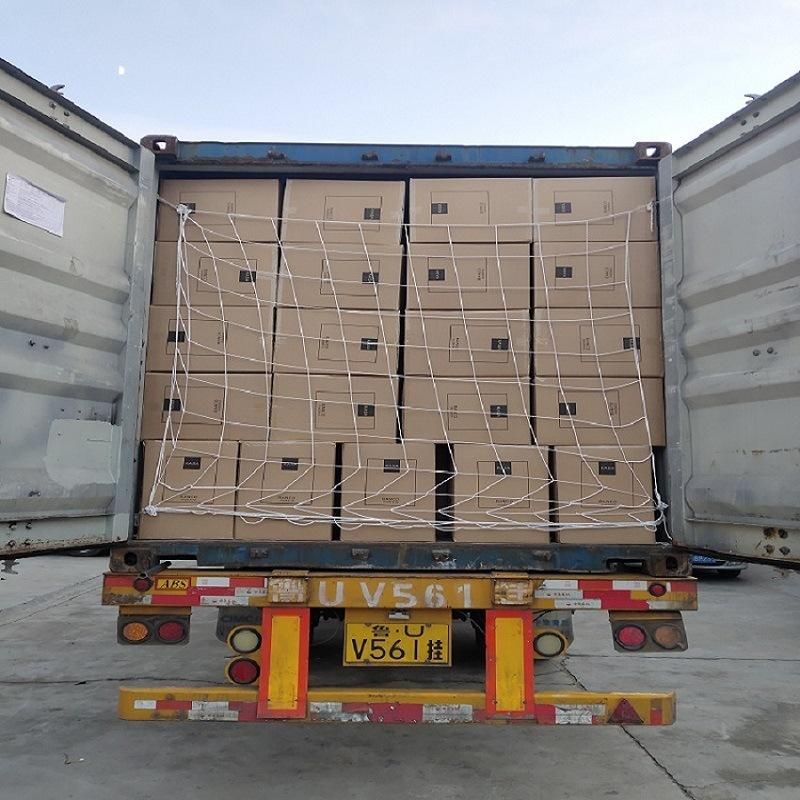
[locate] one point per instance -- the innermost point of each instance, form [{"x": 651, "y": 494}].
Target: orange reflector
[
  {"x": 135, "y": 632},
  {"x": 625, "y": 714},
  {"x": 669, "y": 637}
]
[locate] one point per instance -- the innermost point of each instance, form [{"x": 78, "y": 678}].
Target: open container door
[
  {"x": 77, "y": 208},
  {"x": 730, "y": 216}
]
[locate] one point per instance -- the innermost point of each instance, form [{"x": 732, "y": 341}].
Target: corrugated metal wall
[
  {"x": 731, "y": 247},
  {"x": 71, "y": 315}
]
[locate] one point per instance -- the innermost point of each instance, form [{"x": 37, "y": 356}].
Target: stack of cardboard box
[
  {"x": 598, "y": 362},
  {"x": 208, "y": 351},
  {"x": 467, "y": 352},
  {"x": 337, "y": 344},
  {"x": 496, "y": 372}
]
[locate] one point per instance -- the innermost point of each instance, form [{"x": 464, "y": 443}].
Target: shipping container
[{"x": 77, "y": 242}]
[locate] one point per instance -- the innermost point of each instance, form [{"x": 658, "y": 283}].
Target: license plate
[
  {"x": 703, "y": 560},
  {"x": 375, "y": 639}
]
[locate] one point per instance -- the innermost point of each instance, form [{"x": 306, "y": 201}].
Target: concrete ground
[{"x": 737, "y": 735}]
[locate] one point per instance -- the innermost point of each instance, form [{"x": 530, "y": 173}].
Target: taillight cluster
[
  {"x": 153, "y": 629},
  {"x": 636, "y": 632},
  {"x": 245, "y": 667}
]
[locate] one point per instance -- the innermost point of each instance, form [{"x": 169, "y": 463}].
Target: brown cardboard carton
[
  {"x": 205, "y": 406},
  {"x": 333, "y": 408},
  {"x": 194, "y": 476},
  {"x": 340, "y": 276},
  {"x": 388, "y": 493},
  {"x": 359, "y": 212},
  {"x": 291, "y": 483},
  {"x": 454, "y": 344},
  {"x": 588, "y": 344},
  {"x": 210, "y": 339},
  {"x": 215, "y": 273},
  {"x": 340, "y": 342},
  {"x": 461, "y": 410},
  {"x": 499, "y": 490},
  {"x": 594, "y": 210},
  {"x": 599, "y": 486},
  {"x": 468, "y": 276},
  {"x": 564, "y": 274},
  {"x": 213, "y": 201},
  {"x": 591, "y": 411},
  {"x": 470, "y": 210}
]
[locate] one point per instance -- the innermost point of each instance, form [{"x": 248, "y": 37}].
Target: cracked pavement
[{"x": 737, "y": 734}]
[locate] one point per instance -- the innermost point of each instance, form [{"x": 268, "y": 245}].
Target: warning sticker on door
[{"x": 33, "y": 205}]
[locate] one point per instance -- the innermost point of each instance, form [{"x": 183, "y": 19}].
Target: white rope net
[{"x": 441, "y": 434}]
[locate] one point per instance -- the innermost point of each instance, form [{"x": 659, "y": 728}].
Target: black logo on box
[
  {"x": 567, "y": 409},
  {"x": 498, "y": 411},
  {"x": 629, "y": 342},
  {"x": 439, "y": 208},
  {"x": 563, "y": 208},
  {"x": 247, "y": 276},
  {"x": 502, "y": 467},
  {"x": 369, "y": 277},
  {"x": 499, "y": 344},
  {"x": 191, "y": 462},
  {"x": 606, "y": 467},
  {"x": 368, "y": 343},
  {"x": 391, "y": 465},
  {"x": 563, "y": 272},
  {"x": 436, "y": 275},
  {"x": 372, "y": 214},
  {"x": 290, "y": 464},
  {"x": 176, "y": 336},
  {"x": 365, "y": 410},
  {"x": 173, "y": 405}
]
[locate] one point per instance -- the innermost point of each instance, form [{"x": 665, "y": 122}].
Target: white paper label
[{"x": 33, "y": 205}]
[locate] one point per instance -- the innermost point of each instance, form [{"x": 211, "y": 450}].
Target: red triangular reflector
[{"x": 625, "y": 714}]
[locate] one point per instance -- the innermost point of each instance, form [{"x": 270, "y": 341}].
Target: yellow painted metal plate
[{"x": 382, "y": 639}]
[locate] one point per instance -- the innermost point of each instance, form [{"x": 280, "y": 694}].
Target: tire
[{"x": 731, "y": 574}]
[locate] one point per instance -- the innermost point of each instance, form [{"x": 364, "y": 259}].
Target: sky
[{"x": 411, "y": 71}]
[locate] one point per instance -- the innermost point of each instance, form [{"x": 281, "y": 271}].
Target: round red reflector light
[
  {"x": 142, "y": 584},
  {"x": 631, "y": 637},
  {"x": 243, "y": 670},
  {"x": 172, "y": 631},
  {"x": 657, "y": 589}
]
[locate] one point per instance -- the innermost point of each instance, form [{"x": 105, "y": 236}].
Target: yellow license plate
[{"x": 375, "y": 639}]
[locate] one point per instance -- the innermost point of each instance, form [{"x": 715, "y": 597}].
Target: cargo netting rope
[{"x": 593, "y": 508}]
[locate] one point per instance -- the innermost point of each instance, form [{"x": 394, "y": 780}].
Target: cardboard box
[
  {"x": 597, "y": 486},
  {"x": 603, "y": 342},
  {"x": 215, "y": 273},
  {"x": 594, "y": 210},
  {"x": 206, "y": 406},
  {"x": 468, "y": 276},
  {"x": 483, "y": 344},
  {"x": 498, "y": 491},
  {"x": 293, "y": 484},
  {"x": 564, "y": 274},
  {"x": 343, "y": 276},
  {"x": 195, "y": 476},
  {"x": 461, "y": 410},
  {"x": 591, "y": 411},
  {"x": 388, "y": 493},
  {"x": 334, "y": 408},
  {"x": 213, "y": 200},
  {"x": 339, "y": 342},
  {"x": 343, "y": 211},
  {"x": 470, "y": 210},
  {"x": 210, "y": 339}
]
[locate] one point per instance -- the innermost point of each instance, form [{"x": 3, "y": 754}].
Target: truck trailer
[{"x": 80, "y": 310}]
